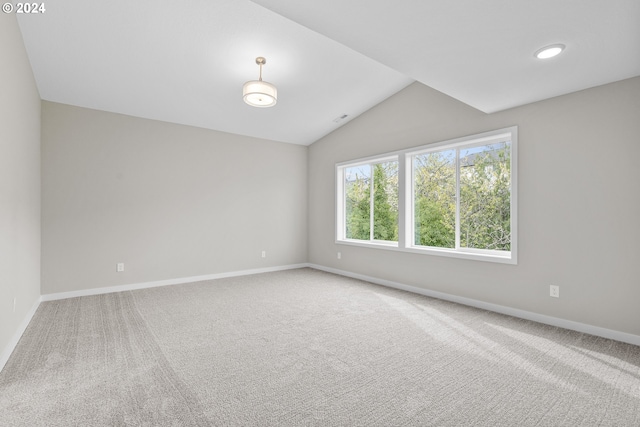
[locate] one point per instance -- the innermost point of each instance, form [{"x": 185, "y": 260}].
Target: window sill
[{"x": 502, "y": 258}]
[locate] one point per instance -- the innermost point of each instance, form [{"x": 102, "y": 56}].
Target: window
[
  {"x": 370, "y": 201},
  {"x": 462, "y": 197},
  {"x": 453, "y": 198}
]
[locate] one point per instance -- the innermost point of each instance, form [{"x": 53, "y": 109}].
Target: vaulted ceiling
[{"x": 185, "y": 62}]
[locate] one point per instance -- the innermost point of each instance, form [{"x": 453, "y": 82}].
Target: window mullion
[
  {"x": 404, "y": 209},
  {"x": 342, "y": 206},
  {"x": 371, "y": 200},
  {"x": 457, "y": 245}
]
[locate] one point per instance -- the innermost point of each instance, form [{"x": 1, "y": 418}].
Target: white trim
[
  {"x": 515, "y": 312},
  {"x": 471, "y": 254},
  {"x": 340, "y": 204},
  {"x": 540, "y": 318},
  {"x": 167, "y": 282},
  {"x": 371, "y": 160},
  {"x": 406, "y": 202},
  {"x": 457, "y": 213},
  {"x": 340, "y": 224},
  {"x": 6, "y": 353}
]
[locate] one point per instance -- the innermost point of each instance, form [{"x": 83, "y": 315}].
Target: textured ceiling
[{"x": 185, "y": 62}]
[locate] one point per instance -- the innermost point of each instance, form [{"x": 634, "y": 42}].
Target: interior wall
[
  {"x": 169, "y": 201},
  {"x": 19, "y": 184},
  {"x": 578, "y": 210}
]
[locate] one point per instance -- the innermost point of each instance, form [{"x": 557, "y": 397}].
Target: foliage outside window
[
  {"x": 371, "y": 201},
  {"x": 480, "y": 178},
  {"x": 455, "y": 198}
]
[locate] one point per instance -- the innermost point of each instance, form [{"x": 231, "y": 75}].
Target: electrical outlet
[
  {"x": 264, "y": 254},
  {"x": 120, "y": 267},
  {"x": 15, "y": 302},
  {"x": 339, "y": 255},
  {"x": 554, "y": 291}
]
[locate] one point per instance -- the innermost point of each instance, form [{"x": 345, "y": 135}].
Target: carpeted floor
[{"x": 304, "y": 347}]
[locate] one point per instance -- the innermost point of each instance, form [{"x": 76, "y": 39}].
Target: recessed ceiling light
[{"x": 549, "y": 51}]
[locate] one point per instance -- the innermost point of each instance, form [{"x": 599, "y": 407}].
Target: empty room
[{"x": 337, "y": 213}]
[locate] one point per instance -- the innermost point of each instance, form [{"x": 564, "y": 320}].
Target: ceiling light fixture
[
  {"x": 549, "y": 51},
  {"x": 258, "y": 93}
]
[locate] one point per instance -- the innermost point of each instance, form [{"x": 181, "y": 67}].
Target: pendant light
[{"x": 258, "y": 93}]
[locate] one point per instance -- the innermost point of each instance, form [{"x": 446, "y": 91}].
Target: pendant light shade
[{"x": 258, "y": 93}]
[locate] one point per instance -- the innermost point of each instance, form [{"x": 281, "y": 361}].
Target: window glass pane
[
  {"x": 455, "y": 195},
  {"x": 485, "y": 197},
  {"x": 357, "y": 188},
  {"x": 434, "y": 178},
  {"x": 385, "y": 201}
]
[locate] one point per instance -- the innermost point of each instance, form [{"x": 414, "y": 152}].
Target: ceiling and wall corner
[{"x": 187, "y": 63}]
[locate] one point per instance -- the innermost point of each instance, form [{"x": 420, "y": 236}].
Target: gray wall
[
  {"x": 579, "y": 202},
  {"x": 169, "y": 201},
  {"x": 172, "y": 201},
  {"x": 19, "y": 182}
]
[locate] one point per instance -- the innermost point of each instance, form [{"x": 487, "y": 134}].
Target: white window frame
[
  {"x": 342, "y": 206},
  {"x": 406, "y": 201}
]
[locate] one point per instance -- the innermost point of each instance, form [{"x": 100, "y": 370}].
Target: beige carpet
[{"x": 304, "y": 347}]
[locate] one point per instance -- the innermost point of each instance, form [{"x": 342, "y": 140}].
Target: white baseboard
[
  {"x": 6, "y": 353},
  {"x": 541, "y": 318},
  {"x": 167, "y": 282},
  {"x": 523, "y": 314}
]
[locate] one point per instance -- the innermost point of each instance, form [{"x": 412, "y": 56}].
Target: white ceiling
[
  {"x": 482, "y": 52},
  {"x": 185, "y": 62}
]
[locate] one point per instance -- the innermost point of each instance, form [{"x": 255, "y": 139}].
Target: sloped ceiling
[
  {"x": 186, "y": 62},
  {"x": 482, "y": 52}
]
